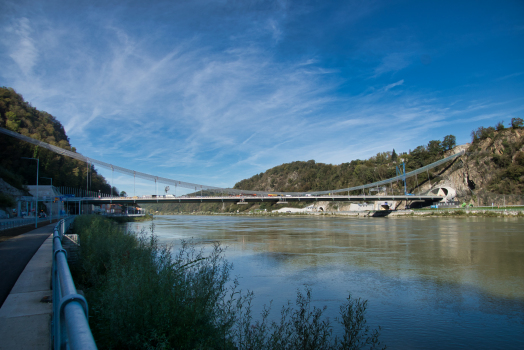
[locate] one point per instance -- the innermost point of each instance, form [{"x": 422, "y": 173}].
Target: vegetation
[
  {"x": 145, "y": 296},
  {"x": 517, "y": 123},
  {"x": 19, "y": 116}
]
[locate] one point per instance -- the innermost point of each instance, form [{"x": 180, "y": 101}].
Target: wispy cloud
[
  {"x": 509, "y": 76},
  {"x": 201, "y": 89},
  {"x": 23, "y": 49},
  {"x": 391, "y": 86}
]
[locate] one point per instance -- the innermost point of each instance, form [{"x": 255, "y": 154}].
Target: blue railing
[
  {"x": 12, "y": 223},
  {"x": 7, "y": 224},
  {"x": 70, "y": 315}
]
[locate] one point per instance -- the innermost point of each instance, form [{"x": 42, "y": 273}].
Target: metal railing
[
  {"x": 70, "y": 315},
  {"x": 8, "y": 224},
  {"x": 13, "y": 223}
]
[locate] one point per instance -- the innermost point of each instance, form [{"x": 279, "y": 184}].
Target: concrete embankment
[{"x": 422, "y": 213}]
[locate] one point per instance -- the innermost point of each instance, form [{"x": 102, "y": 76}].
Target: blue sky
[{"x": 213, "y": 92}]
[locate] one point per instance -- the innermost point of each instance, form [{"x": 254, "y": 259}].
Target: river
[{"x": 431, "y": 283}]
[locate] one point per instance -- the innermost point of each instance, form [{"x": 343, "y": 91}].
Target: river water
[{"x": 431, "y": 283}]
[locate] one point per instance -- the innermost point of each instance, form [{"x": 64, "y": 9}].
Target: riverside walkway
[{"x": 25, "y": 280}]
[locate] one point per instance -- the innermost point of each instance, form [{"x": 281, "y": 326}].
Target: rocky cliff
[{"x": 491, "y": 171}]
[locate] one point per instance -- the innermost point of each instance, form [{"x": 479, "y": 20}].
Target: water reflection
[
  {"x": 425, "y": 278},
  {"x": 483, "y": 252}
]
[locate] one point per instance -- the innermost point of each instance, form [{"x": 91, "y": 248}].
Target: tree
[
  {"x": 500, "y": 126},
  {"x": 483, "y": 133},
  {"x": 516, "y": 123},
  {"x": 394, "y": 155},
  {"x": 449, "y": 142},
  {"x": 434, "y": 146},
  {"x": 123, "y": 194}
]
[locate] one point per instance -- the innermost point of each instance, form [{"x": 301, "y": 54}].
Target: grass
[{"x": 143, "y": 295}]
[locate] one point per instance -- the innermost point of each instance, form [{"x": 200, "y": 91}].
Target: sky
[{"x": 213, "y": 92}]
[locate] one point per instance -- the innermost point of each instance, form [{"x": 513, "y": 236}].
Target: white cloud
[
  {"x": 21, "y": 46},
  {"x": 390, "y": 86}
]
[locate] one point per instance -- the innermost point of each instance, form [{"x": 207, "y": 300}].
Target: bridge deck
[{"x": 254, "y": 199}]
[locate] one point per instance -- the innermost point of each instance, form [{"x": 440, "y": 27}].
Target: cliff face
[{"x": 491, "y": 171}]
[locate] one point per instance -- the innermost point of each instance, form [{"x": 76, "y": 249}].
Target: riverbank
[
  {"x": 124, "y": 219},
  {"x": 477, "y": 212}
]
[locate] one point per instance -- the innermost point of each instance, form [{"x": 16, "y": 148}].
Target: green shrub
[
  {"x": 517, "y": 123},
  {"x": 514, "y": 172},
  {"x": 501, "y": 161},
  {"x": 304, "y": 328},
  {"x": 142, "y": 295},
  {"x": 519, "y": 158}
]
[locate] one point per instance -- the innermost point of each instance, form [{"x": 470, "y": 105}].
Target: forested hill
[
  {"x": 19, "y": 116},
  {"x": 312, "y": 176}
]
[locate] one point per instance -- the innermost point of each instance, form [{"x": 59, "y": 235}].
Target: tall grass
[{"x": 143, "y": 295}]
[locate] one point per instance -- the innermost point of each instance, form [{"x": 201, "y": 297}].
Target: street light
[
  {"x": 36, "y": 209},
  {"x": 51, "y": 213}
]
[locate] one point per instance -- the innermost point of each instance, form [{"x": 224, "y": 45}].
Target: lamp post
[
  {"x": 51, "y": 211},
  {"x": 36, "y": 209}
]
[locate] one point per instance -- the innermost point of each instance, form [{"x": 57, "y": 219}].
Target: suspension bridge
[{"x": 232, "y": 195}]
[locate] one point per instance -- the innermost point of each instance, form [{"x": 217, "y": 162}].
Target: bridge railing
[{"x": 70, "y": 315}]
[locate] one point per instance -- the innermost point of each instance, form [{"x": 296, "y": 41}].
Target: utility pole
[
  {"x": 36, "y": 209},
  {"x": 87, "y": 178},
  {"x": 51, "y": 211}
]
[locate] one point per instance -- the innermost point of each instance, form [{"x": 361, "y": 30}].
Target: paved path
[
  {"x": 15, "y": 253},
  {"x": 25, "y": 321}
]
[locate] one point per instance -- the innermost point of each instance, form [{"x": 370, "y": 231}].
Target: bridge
[
  {"x": 253, "y": 199},
  {"x": 232, "y": 195}
]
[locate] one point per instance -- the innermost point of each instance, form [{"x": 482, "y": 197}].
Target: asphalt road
[{"x": 15, "y": 253}]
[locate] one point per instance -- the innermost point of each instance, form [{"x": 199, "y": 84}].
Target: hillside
[
  {"x": 18, "y": 115},
  {"x": 491, "y": 171}
]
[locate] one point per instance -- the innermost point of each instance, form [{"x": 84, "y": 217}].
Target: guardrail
[
  {"x": 8, "y": 224},
  {"x": 12, "y": 223},
  {"x": 70, "y": 314}
]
